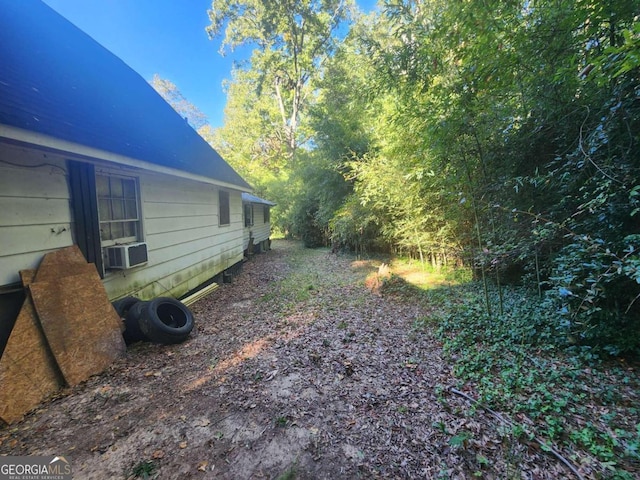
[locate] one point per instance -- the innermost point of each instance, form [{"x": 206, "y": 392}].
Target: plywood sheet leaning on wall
[
  {"x": 63, "y": 263},
  {"x": 28, "y": 371},
  {"x": 82, "y": 329}
]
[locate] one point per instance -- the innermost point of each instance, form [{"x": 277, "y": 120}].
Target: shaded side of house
[
  {"x": 191, "y": 230},
  {"x": 91, "y": 155},
  {"x": 257, "y": 223}
]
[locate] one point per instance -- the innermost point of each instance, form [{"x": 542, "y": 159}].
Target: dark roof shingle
[{"x": 58, "y": 81}]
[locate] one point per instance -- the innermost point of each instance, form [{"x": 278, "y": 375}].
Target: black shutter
[{"x": 84, "y": 203}]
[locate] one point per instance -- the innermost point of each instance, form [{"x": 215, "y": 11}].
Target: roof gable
[{"x": 58, "y": 81}]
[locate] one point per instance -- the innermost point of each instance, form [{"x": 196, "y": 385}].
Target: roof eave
[{"x": 18, "y": 136}]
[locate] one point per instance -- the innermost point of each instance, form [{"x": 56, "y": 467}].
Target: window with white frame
[{"x": 118, "y": 209}]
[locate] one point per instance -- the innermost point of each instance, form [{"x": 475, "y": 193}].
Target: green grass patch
[
  {"x": 427, "y": 277},
  {"x": 309, "y": 273},
  {"x": 282, "y": 421},
  {"x": 145, "y": 469},
  {"x": 289, "y": 474}
]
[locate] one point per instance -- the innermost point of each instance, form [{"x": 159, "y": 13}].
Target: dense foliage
[
  {"x": 501, "y": 135},
  {"x": 568, "y": 398}
]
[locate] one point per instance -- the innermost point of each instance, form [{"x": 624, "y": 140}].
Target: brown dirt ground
[{"x": 294, "y": 370}]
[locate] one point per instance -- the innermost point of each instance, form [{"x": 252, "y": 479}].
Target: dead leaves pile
[{"x": 295, "y": 368}]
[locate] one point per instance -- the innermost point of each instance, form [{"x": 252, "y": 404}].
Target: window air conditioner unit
[{"x": 127, "y": 256}]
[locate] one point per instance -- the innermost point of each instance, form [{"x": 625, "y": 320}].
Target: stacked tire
[{"x": 161, "y": 320}]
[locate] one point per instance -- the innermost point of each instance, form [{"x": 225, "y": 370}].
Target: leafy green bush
[
  {"x": 523, "y": 363},
  {"x": 595, "y": 291},
  {"x": 355, "y": 227}
]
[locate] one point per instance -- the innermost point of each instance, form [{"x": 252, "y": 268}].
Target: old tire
[
  {"x": 132, "y": 332},
  {"x": 166, "y": 320},
  {"x": 123, "y": 305}
]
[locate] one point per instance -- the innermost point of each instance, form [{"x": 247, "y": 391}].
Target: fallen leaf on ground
[{"x": 157, "y": 454}]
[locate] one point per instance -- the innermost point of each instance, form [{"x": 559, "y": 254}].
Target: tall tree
[
  {"x": 172, "y": 95},
  {"x": 528, "y": 107},
  {"x": 248, "y": 138},
  {"x": 293, "y": 38}
]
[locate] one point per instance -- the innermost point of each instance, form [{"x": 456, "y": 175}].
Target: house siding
[
  {"x": 260, "y": 231},
  {"x": 186, "y": 245},
  {"x": 245, "y": 238},
  {"x": 246, "y": 233},
  {"x": 35, "y": 217}
]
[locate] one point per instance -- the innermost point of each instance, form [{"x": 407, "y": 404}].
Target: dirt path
[{"x": 294, "y": 370}]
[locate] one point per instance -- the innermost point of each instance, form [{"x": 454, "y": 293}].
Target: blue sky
[{"x": 166, "y": 37}]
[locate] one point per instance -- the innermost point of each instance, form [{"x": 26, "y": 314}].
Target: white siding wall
[
  {"x": 187, "y": 246},
  {"x": 35, "y": 216},
  {"x": 260, "y": 231},
  {"x": 245, "y": 237}
]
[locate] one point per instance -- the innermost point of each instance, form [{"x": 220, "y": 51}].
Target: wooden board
[
  {"x": 28, "y": 371},
  {"x": 203, "y": 292},
  {"x": 67, "y": 330},
  {"x": 27, "y": 277},
  {"x": 80, "y": 324},
  {"x": 63, "y": 263}
]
